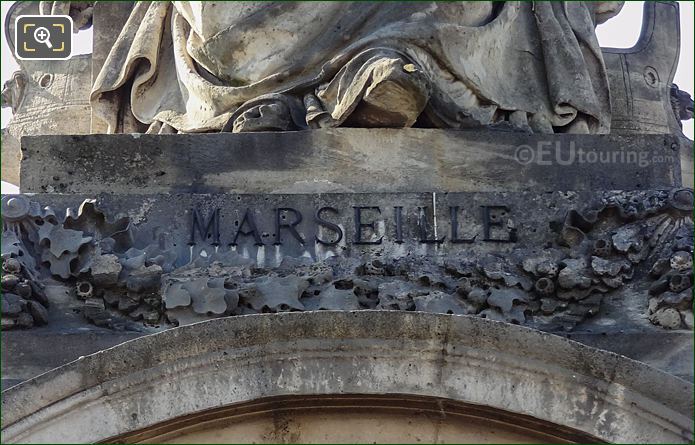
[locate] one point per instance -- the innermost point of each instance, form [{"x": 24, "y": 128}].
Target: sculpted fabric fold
[{"x": 193, "y": 65}]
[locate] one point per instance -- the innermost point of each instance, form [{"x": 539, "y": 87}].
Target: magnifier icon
[{"x": 42, "y": 35}]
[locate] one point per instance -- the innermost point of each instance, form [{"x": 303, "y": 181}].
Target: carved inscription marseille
[{"x": 363, "y": 225}]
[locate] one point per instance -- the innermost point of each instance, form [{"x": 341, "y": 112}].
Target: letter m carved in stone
[{"x": 208, "y": 229}]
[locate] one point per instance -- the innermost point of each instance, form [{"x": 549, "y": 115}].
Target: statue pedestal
[
  {"x": 348, "y": 160},
  {"x": 125, "y": 235}
]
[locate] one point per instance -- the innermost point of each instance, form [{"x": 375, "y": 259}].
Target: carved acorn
[
  {"x": 668, "y": 318},
  {"x": 23, "y": 289},
  {"x": 9, "y": 282},
  {"x": 681, "y": 261},
  {"x": 84, "y": 289},
  {"x": 660, "y": 286},
  {"x": 602, "y": 247},
  {"x": 11, "y": 266},
  {"x": 679, "y": 282},
  {"x": 660, "y": 267},
  {"x": 544, "y": 286},
  {"x": 464, "y": 287}
]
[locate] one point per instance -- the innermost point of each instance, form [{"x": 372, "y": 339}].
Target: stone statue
[
  {"x": 682, "y": 104},
  {"x": 212, "y": 66},
  {"x": 46, "y": 96}
]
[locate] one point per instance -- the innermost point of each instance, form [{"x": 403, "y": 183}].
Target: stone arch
[{"x": 208, "y": 376}]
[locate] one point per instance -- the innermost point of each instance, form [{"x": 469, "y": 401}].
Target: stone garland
[
  {"x": 24, "y": 303},
  {"x": 641, "y": 237}
]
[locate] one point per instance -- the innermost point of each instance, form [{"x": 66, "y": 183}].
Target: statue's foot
[
  {"x": 159, "y": 127},
  {"x": 271, "y": 112},
  {"x": 513, "y": 121},
  {"x": 396, "y": 96},
  {"x": 579, "y": 125},
  {"x": 263, "y": 117}
]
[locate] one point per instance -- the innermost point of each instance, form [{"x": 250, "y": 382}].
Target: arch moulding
[{"x": 455, "y": 367}]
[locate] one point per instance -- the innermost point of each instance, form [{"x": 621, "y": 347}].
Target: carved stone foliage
[
  {"x": 628, "y": 244},
  {"x": 82, "y": 247},
  {"x": 654, "y": 239},
  {"x": 671, "y": 293},
  {"x": 595, "y": 251},
  {"x": 24, "y": 302}
]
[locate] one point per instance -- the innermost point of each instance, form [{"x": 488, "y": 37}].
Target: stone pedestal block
[{"x": 348, "y": 160}]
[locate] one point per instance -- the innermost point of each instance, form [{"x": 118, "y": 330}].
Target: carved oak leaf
[
  {"x": 94, "y": 221},
  {"x": 395, "y": 295},
  {"x": 62, "y": 240},
  {"x": 630, "y": 238},
  {"x": 59, "y": 266},
  {"x": 603, "y": 267},
  {"x": 441, "y": 302},
  {"x": 176, "y": 296},
  {"x": 10, "y": 244},
  {"x": 279, "y": 293},
  {"x": 332, "y": 298},
  {"x": 574, "y": 274},
  {"x": 163, "y": 257},
  {"x": 499, "y": 269},
  {"x": 207, "y": 295},
  {"x": 504, "y": 299}
]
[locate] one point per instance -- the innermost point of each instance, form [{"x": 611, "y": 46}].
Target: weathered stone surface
[
  {"x": 177, "y": 296},
  {"x": 128, "y": 303},
  {"x": 396, "y": 295},
  {"x": 681, "y": 261},
  {"x": 51, "y": 98},
  {"x": 109, "y": 19},
  {"x": 28, "y": 353},
  {"x": 208, "y": 295},
  {"x": 12, "y": 305},
  {"x": 469, "y": 360},
  {"x": 23, "y": 290},
  {"x": 348, "y": 160},
  {"x": 84, "y": 290},
  {"x": 25, "y": 320},
  {"x": 278, "y": 293},
  {"x": 642, "y": 106},
  {"x": 667, "y": 317},
  {"x": 442, "y": 303},
  {"x": 529, "y": 212},
  {"x": 644, "y": 103},
  {"x": 172, "y": 213},
  {"x": 38, "y": 313},
  {"x": 105, "y": 270},
  {"x": 9, "y": 281},
  {"x": 145, "y": 278},
  {"x": 338, "y": 299},
  {"x": 144, "y": 312},
  {"x": 24, "y": 301}
]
